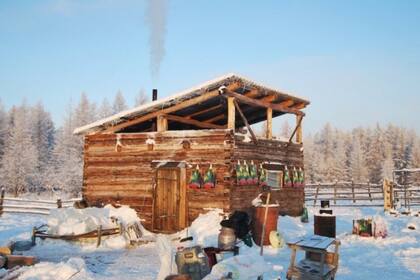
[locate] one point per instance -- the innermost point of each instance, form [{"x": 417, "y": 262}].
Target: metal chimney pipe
[{"x": 154, "y": 94}]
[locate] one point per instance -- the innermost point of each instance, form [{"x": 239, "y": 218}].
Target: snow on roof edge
[{"x": 125, "y": 113}]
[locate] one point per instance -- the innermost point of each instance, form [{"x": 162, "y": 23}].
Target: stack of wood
[{"x": 13, "y": 262}]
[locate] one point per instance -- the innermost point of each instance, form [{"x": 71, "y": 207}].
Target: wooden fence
[
  {"x": 32, "y": 206},
  {"x": 407, "y": 195},
  {"x": 361, "y": 194},
  {"x": 345, "y": 193}
]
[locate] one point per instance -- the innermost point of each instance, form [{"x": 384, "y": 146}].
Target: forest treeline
[
  {"x": 364, "y": 154},
  {"x": 36, "y": 156}
]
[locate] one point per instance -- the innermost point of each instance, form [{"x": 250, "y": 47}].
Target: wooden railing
[
  {"x": 32, "y": 206},
  {"x": 407, "y": 195},
  {"x": 358, "y": 194}
]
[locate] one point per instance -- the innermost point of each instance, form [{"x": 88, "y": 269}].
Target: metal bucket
[{"x": 227, "y": 238}]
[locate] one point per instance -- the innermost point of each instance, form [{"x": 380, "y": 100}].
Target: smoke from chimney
[{"x": 156, "y": 20}]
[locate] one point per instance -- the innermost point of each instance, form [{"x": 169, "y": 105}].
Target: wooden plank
[
  {"x": 183, "y": 217},
  {"x": 162, "y": 123},
  {"x": 231, "y": 113},
  {"x": 316, "y": 195},
  {"x": 194, "y": 122},
  {"x": 205, "y": 111},
  {"x": 299, "y": 128},
  {"x": 269, "y": 127},
  {"x": 254, "y": 138},
  {"x": 299, "y": 121},
  {"x": 179, "y": 106},
  {"x": 257, "y": 102}
]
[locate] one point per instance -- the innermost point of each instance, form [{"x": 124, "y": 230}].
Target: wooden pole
[
  {"x": 98, "y": 243},
  {"x": 269, "y": 128},
  {"x": 231, "y": 113},
  {"x": 316, "y": 193},
  {"x": 299, "y": 129},
  {"x": 294, "y": 131},
  {"x": 264, "y": 224},
  {"x": 254, "y": 138},
  {"x": 162, "y": 123},
  {"x": 59, "y": 203},
  {"x": 352, "y": 190},
  {"x": 335, "y": 192},
  {"x": 1, "y": 201}
]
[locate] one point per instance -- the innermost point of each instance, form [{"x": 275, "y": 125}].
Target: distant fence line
[
  {"x": 360, "y": 194},
  {"x": 32, "y": 206}
]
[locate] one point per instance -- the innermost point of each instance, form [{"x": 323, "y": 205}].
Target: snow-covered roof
[{"x": 179, "y": 97}]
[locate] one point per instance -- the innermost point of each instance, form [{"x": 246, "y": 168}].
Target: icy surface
[{"x": 394, "y": 257}]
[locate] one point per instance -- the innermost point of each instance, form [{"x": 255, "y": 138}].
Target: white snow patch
[
  {"x": 74, "y": 268},
  {"x": 410, "y": 258},
  {"x": 69, "y": 221}
]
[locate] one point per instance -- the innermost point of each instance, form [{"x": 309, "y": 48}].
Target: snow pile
[
  {"x": 243, "y": 267},
  {"x": 166, "y": 255},
  {"x": 70, "y": 221},
  {"x": 74, "y": 269},
  {"x": 206, "y": 228}
]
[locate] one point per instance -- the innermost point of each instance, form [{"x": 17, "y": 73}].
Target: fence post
[
  {"x": 352, "y": 190},
  {"x": 98, "y": 243},
  {"x": 316, "y": 193},
  {"x": 59, "y": 203},
  {"x": 370, "y": 195},
  {"x": 335, "y": 192},
  {"x": 1, "y": 201}
]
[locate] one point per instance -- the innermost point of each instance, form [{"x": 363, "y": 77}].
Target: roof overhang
[{"x": 205, "y": 104}]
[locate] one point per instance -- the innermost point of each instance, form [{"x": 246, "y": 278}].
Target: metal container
[
  {"x": 193, "y": 261},
  {"x": 227, "y": 238}
]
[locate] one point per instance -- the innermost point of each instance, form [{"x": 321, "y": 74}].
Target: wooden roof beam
[
  {"x": 193, "y": 122},
  {"x": 254, "y": 138},
  {"x": 251, "y": 93},
  {"x": 179, "y": 106},
  {"x": 257, "y": 102},
  {"x": 204, "y": 111}
]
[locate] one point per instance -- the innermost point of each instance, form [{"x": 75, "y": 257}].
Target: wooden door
[{"x": 169, "y": 200}]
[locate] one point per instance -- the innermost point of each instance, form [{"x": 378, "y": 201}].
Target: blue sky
[{"x": 357, "y": 61}]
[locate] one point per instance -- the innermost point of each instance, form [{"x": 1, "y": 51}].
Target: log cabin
[{"x": 177, "y": 157}]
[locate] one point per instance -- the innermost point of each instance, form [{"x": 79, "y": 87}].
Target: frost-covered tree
[
  {"x": 42, "y": 130},
  {"x": 339, "y": 161},
  {"x": 358, "y": 168},
  {"x": 3, "y": 130},
  {"x": 141, "y": 98},
  {"x": 325, "y": 143},
  {"x": 387, "y": 163},
  {"x": 105, "y": 110},
  {"x": 66, "y": 171},
  {"x": 19, "y": 162},
  {"x": 285, "y": 130},
  {"x": 376, "y": 155},
  {"x": 119, "y": 103}
]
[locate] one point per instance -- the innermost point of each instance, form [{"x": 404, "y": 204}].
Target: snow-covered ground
[{"x": 395, "y": 257}]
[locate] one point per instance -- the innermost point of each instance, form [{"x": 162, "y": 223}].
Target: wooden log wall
[
  {"x": 124, "y": 173},
  {"x": 291, "y": 200}
]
